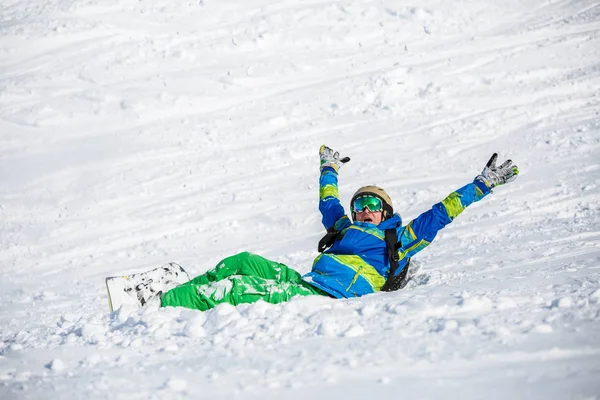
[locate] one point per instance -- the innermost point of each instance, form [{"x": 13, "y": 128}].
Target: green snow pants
[{"x": 242, "y": 278}]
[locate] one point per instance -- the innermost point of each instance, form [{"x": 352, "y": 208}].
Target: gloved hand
[
  {"x": 494, "y": 176},
  {"x": 330, "y": 158}
]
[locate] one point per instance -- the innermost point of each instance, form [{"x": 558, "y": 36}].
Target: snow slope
[{"x": 133, "y": 133}]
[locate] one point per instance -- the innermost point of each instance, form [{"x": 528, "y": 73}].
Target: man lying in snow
[{"x": 355, "y": 258}]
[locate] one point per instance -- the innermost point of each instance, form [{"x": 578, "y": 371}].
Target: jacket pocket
[{"x": 356, "y": 275}]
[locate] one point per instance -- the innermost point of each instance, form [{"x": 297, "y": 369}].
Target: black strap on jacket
[
  {"x": 393, "y": 282},
  {"x": 328, "y": 240}
]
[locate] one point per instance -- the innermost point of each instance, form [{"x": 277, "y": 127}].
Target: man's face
[{"x": 372, "y": 217}]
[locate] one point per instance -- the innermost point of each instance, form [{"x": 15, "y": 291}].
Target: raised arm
[
  {"x": 421, "y": 231},
  {"x": 329, "y": 200}
]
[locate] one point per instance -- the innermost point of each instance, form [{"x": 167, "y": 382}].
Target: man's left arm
[{"x": 421, "y": 231}]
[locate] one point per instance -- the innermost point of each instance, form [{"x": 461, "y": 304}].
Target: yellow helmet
[{"x": 388, "y": 208}]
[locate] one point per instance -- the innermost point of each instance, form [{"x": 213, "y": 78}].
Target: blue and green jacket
[{"x": 357, "y": 263}]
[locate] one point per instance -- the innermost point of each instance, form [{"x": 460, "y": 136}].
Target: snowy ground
[{"x": 133, "y": 133}]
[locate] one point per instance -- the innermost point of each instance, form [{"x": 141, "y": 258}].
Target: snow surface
[{"x": 138, "y": 132}]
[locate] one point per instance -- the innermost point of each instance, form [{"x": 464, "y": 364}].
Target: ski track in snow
[{"x": 137, "y": 133}]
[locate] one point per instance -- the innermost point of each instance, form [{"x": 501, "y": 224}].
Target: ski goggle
[{"x": 372, "y": 203}]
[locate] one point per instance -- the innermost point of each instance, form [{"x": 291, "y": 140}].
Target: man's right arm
[{"x": 329, "y": 199}]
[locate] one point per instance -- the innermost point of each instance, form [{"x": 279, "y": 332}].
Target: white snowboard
[{"x": 138, "y": 289}]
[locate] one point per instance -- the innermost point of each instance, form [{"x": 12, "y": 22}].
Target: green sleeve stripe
[
  {"x": 415, "y": 248},
  {"x": 328, "y": 191},
  {"x": 453, "y": 205},
  {"x": 478, "y": 192},
  {"x": 408, "y": 234}
]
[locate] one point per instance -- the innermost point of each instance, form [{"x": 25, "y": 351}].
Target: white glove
[
  {"x": 494, "y": 176},
  {"x": 330, "y": 158}
]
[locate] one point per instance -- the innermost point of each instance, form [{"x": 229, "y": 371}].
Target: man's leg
[
  {"x": 247, "y": 264},
  {"x": 237, "y": 289}
]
